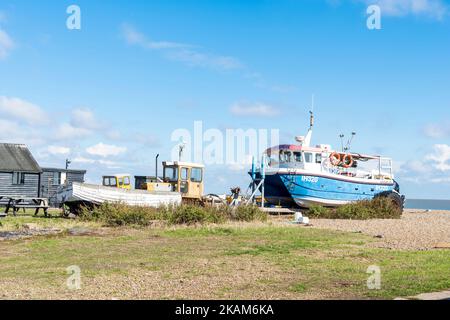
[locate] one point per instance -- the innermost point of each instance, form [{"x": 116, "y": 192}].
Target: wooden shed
[
  {"x": 19, "y": 172},
  {"x": 53, "y": 179}
]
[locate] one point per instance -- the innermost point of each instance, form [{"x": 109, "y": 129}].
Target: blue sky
[{"x": 109, "y": 96}]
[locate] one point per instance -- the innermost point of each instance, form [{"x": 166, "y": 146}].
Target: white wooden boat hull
[{"x": 96, "y": 194}]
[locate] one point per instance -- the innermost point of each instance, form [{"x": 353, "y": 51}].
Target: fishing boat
[
  {"x": 82, "y": 194},
  {"x": 301, "y": 175}
]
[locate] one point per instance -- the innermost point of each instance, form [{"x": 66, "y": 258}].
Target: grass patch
[
  {"x": 117, "y": 214},
  {"x": 223, "y": 261},
  {"x": 377, "y": 208}
]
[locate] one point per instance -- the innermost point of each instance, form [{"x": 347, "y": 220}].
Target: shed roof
[
  {"x": 64, "y": 170},
  {"x": 17, "y": 157}
]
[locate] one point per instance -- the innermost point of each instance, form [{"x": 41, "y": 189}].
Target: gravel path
[{"x": 416, "y": 230}]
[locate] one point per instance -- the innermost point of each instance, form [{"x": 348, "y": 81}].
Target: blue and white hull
[{"x": 305, "y": 189}]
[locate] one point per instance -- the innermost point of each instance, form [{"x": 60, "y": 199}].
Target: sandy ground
[{"x": 416, "y": 230}]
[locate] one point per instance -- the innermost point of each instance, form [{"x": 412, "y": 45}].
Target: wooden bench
[{"x": 17, "y": 203}]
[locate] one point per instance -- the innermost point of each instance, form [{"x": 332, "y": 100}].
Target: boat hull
[
  {"x": 305, "y": 190},
  {"x": 275, "y": 191},
  {"x": 96, "y": 194}
]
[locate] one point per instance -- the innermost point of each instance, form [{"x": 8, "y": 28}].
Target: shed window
[
  {"x": 18, "y": 178},
  {"x": 56, "y": 180}
]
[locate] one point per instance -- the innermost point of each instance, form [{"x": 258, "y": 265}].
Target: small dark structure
[
  {"x": 19, "y": 172},
  {"x": 53, "y": 179}
]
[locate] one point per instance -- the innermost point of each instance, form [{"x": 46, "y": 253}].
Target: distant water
[{"x": 427, "y": 204}]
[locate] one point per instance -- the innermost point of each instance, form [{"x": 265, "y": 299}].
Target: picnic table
[{"x": 17, "y": 203}]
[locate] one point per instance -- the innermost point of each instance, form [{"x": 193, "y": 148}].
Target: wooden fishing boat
[{"x": 83, "y": 193}]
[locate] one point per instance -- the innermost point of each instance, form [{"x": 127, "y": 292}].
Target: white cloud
[
  {"x": 437, "y": 130},
  {"x": 14, "y": 132},
  {"x": 434, "y": 167},
  {"x": 105, "y": 150},
  {"x": 134, "y": 37},
  {"x": 58, "y": 150},
  {"x": 107, "y": 163},
  {"x": 6, "y": 43},
  {"x": 84, "y": 118},
  {"x": 185, "y": 53},
  {"x": 66, "y": 131},
  {"x": 253, "y": 109},
  {"x": 440, "y": 158},
  {"x": 82, "y": 124},
  {"x": 22, "y": 111},
  {"x": 436, "y": 9}
]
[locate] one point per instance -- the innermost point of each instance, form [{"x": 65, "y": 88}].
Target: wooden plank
[{"x": 280, "y": 210}]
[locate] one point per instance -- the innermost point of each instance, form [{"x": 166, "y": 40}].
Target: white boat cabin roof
[
  {"x": 316, "y": 149},
  {"x": 181, "y": 164}
]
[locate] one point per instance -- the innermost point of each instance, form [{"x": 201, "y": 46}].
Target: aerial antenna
[
  {"x": 342, "y": 141},
  {"x": 349, "y": 142},
  {"x": 68, "y": 162},
  {"x": 306, "y": 141},
  {"x": 181, "y": 149}
]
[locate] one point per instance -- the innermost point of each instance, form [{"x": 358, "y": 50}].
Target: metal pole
[
  {"x": 379, "y": 167},
  {"x": 156, "y": 167},
  {"x": 253, "y": 175},
  {"x": 263, "y": 176}
]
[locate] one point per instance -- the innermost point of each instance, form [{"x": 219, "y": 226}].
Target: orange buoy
[
  {"x": 347, "y": 161},
  {"x": 335, "y": 159}
]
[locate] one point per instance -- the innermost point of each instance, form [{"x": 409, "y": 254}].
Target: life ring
[
  {"x": 335, "y": 159},
  {"x": 347, "y": 161}
]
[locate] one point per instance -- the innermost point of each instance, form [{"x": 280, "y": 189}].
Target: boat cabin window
[
  {"x": 286, "y": 156},
  {"x": 298, "y": 157},
  {"x": 124, "y": 181},
  {"x": 318, "y": 158},
  {"x": 171, "y": 173},
  {"x": 109, "y": 181},
  {"x": 282, "y": 156},
  {"x": 308, "y": 157},
  {"x": 196, "y": 175},
  {"x": 184, "y": 174}
]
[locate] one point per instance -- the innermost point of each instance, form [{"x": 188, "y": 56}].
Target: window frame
[
  {"x": 310, "y": 156},
  {"x": 182, "y": 171},
  {"x": 174, "y": 176},
  {"x": 56, "y": 182},
  {"x": 193, "y": 178},
  {"x": 18, "y": 178}
]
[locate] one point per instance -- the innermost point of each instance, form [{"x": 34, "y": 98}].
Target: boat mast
[{"x": 308, "y": 137}]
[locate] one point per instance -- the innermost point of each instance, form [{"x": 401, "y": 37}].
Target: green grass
[
  {"x": 377, "y": 208},
  {"x": 118, "y": 214},
  {"x": 226, "y": 261}
]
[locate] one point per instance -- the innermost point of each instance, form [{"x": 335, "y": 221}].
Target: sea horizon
[{"x": 427, "y": 204}]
